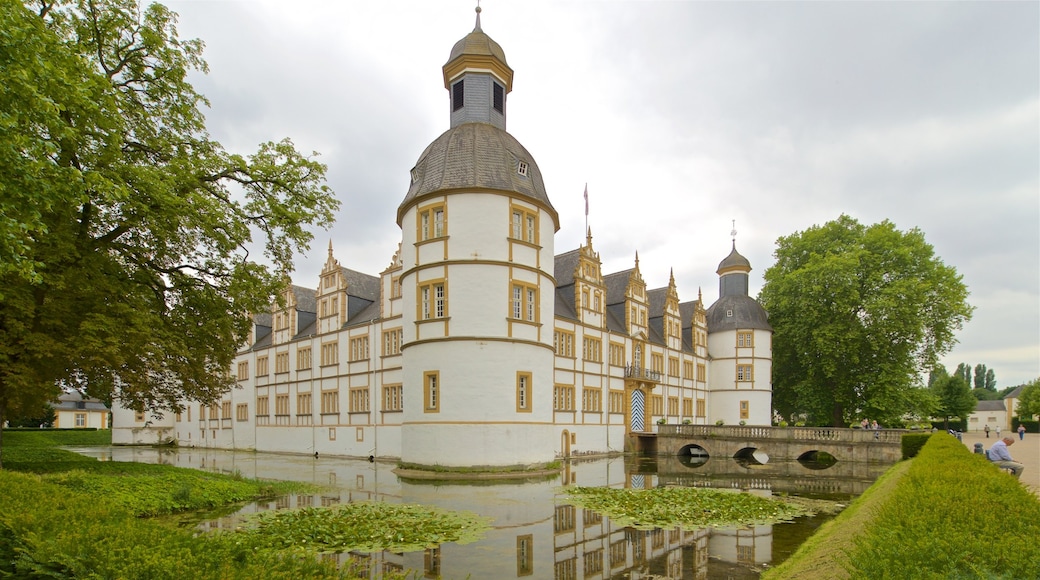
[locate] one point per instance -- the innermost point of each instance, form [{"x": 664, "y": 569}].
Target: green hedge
[
  {"x": 912, "y": 443},
  {"x": 1031, "y": 426},
  {"x": 954, "y": 515}
]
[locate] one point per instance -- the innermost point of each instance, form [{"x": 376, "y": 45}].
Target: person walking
[
  {"x": 987, "y": 431},
  {"x": 1021, "y": 431},
  {"x": 998, "y": 431},
  {"x": 999, "y": 455}
]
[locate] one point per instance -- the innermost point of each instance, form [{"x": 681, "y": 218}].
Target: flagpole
[{"x": 586, "y": 208}]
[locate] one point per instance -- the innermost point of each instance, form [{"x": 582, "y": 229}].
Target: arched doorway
[
  {"x": 637, "y": 415},
  {"x": 565, "y": 444}
]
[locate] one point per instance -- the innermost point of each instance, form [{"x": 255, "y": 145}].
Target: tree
[
  {"x": 125, "y": 236},
  {"x": 859, "y": 314},
  {"x": 980, "y": 376},
  {"x": 984, "y": 395},
  {"x": 954, "y": 396},
  {"x": 963, "y": 371},
  {"x": 991, "y": 380},
  {"x": 1029, "y": 400}
]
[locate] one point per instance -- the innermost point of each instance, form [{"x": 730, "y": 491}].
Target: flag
[{"x": 586, "y": 200}]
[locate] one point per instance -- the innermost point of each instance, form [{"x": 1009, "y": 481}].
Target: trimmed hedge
[
  {"x": 912, "y": 443},
  {"x": 952, "y": 516}
]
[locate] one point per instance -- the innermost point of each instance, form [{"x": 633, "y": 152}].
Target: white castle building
[{"x": 479, "y": 345}]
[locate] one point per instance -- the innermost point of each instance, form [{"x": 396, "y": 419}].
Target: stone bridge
[{"x": 778, "y": 443}]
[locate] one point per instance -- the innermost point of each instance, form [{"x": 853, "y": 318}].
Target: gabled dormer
[
  {"x": 699, "y": 326},
  {"x": 590, "y": 294},
  {"x": 331, "y": 295},
  {"x": 390, "y": 287},
  {"x": 671, "y": 326},
  {"x": 637, "y": 316}
]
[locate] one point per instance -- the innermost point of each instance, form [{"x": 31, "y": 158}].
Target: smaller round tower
[{"x": 740, "y": 347}]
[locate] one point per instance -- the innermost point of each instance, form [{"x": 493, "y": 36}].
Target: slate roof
[
  {"x": 75, "y": 401},
  {"x": 997, "y": 405},
  {"x": 746, "y": 312}
]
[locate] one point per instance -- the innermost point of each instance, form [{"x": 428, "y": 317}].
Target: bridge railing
[{"x": 828, "y": 434}]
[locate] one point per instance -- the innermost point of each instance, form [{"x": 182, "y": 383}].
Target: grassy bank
[{"x": 947, "y": 513}]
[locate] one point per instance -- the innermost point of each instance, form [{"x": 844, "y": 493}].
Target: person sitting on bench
[{"x": 999, "y": 455}]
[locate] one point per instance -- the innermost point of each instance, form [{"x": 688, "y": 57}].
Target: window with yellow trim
[
  {"x": 745, "y": 373},
  {"x": 657, "y": 362},
  {"x": 563, "y": 398},
  {"x": 687, "y": 370},
  {"x": 261, "y": 366},
  {"x": 592, "y": 400},
  {"x": 281, "y": 362},
  {"x": 617, "y": 354},
  {"x": 563, "y": 343},
  {"x": 745, "y": 339},
  {"x": 433, "y": 222},
  {"x": 656, "y": 405},
  {"x": 523, "y": 225},
  {"x": 592, "y": 349},
  {"x": 393, "y": 398},
  {"x": 432, "y": 392},
  {"x": 744, "y": 409},
  {"x": 359, "y": 348},
  {"x": 523, "y": 392},
  {"x": 242, "y": 412},
  {"x": 281, "y": 405},
  {"x": 263, "y": 406},
  {"x": 243, "y": 370},
  {"x": 329, "y": 402},
  {"x": 304, "y": 360},
  {"x": 330, "y": 353},
  {"x": 702, "y": 408},
  {"x": 432, "y": 302},
  {"x": 702, "y": 372},
  {"x": 687, "y": 407},
  {"x": 392, "y": 341},
  {"x": 673, "y": 366},
  {"x": 524, "y": 302},
  {"x": 359, "y": 400},
  {"x": 303, "y": 404},
  {"x": 617, "y": 401}
]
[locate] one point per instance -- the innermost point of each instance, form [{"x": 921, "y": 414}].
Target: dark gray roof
[
  {"x": 737, "y": 312},
  {"x": 1016, "y": 393},
  {"x": 263, "y": 319},
  {"x": 564, "y": 266},
  {"x": 75, "y": 401},
  {"x": 305, "y": 299},
  {"x": 686, "y": 310},
  {"x": 361, "y": 285},
  {"x": 361, "y": 310},
  {"x": 565, "y": 302},
  {"x": 476, "y": 156},
  {"x": 477, "y": 43},
  {"x": 656, "y": 299},
  {"x": 997, "y": 405},
  {"x": 616, "y": 284},
  {"x": 734, "y": 259}
]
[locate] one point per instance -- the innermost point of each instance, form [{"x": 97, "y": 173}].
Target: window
[
  {"x": 329, "y": 402},
  {"x": 225, "y": 410},
  {"x": 521, "y": 168},
  {"x": 523, "y": 392},
  {"x": 673, "y": 406},
  {"x": 261, "y": 366},
  {"x": 563, "y": 398},
  {"x": 304, "y": 360},
  {"x": 563, "y": 519},
  {"x": 432, "y": 298},
  {"x": 687, "y": 370},
  {"x": 524, "y": 302},
  {"x": 392, "y": 341},
  {"x": 330, "y": 353},
  {"x": 524, "y": 225},
  {"x": 359, "y": 400},
  {"x": 498, "y": 97},
  {"x": 242, "y": 412},
  {"x": 592, "y": 400},
  {"x": 687, "y": 407},
  {"x": 702, "y": 372},
  {"x": 281, "y": 362},
  {"x": 263, "y": 408},
  {"x": 395, "y": 286},
  {"x": 81, "y": 419},
  {"x": 673, "y": 366},
  {"x": 281, "y": 405},
  {"x": 617, "y": 401},
  {"x": 214, "y": 412},
  {"x": 431, "y": 392},
  {"x": 617, "y": 354},
  {"x": 743, "y": 409},
  {"x": 432, "y": 223},
  {"x": 745, "y": 339},
  {"x": 563, "y": 342},
  {"x": 458, "y": 93},
  {"x": 657, "y": 362},
  {"x": 139, "y": 416},
  {"x": 525, "y": 555},
  {"x": 701, "y": 408},
  {"x": 392, "y": 398},
  {"x": 243, "y": 370},
  {"x": 744, "y": 373},
  {"x": 303, "y": 404},
  {"x": 593, "y": 562},
  {"x": 592, "y": 349},
  {"x": 359, "y": 348},
  {"x": 656, "y": 405}
]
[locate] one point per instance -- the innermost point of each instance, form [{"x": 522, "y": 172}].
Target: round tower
[
  {"x": 477, "y": 256},
  {"x": 740, "y": 346}
]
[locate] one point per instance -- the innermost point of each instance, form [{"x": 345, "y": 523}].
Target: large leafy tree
[
  {"x": 859, "y": 313},
  {"x": 125, "y": 230},
  {"x": 1029, "y": 400},
  {"x": 954, "y": 396}
]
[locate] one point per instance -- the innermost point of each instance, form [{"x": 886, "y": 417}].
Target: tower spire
[
  {"x": 477, "y": 27},
  {"x": 733, "y": 233}
]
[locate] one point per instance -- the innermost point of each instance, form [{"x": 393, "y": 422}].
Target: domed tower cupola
[
  {"x": 478, "y": 79},
  {"x": 733, "y": 274}
]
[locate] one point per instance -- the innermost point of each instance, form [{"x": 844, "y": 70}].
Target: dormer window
[
  {"x": 499, "y": 98},
  {"x": 457, "y": 94},
  {"x": 521, "y": 168}
]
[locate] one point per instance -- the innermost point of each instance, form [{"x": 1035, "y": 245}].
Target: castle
[{"x": 479, "y": 345}]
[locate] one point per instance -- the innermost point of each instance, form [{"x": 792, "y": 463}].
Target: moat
[{"x": 534, "y": 534}]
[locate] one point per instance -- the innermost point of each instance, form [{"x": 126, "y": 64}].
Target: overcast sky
[{"x": 680, "y": 116}]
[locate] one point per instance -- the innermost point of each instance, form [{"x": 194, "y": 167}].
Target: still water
[{"x": 536, "y": 535}]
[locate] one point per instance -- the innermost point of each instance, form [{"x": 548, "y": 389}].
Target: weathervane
[{"x": 733, "y": 233}]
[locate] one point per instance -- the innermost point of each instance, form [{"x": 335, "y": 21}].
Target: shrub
[
  {"x": 947, "y": 485},
  {"x": 912, "y": 443}
]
